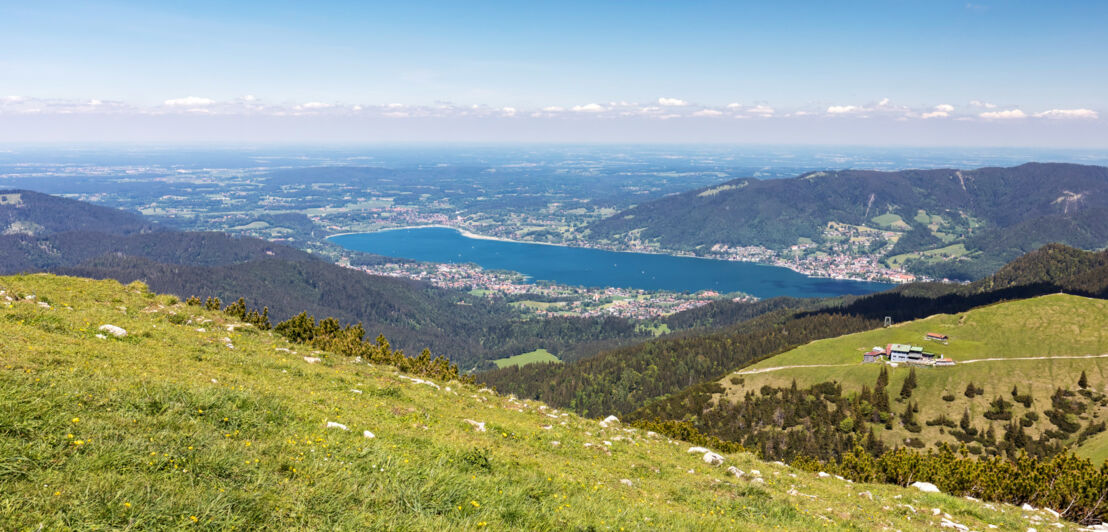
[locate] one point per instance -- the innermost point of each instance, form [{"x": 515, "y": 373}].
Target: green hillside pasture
[
  {"x": 891, "y": 221},
  {"x": 538, "y": 355},
  {"x": 1048, "y": 326},
  {"x": 931, "y": 255},
  {"x": 171, "y": 428},
  {"x": 1095, "y": 449},
  {"x": 1056, "y": 324},
  {"x": 538, "y": 305}
]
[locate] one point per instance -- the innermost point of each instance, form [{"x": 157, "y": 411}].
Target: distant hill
[
  {"x": 71, "y": 237},
  {"x": 996, "y": 214},
  {"x": 184, "y": 424},
  {"x": 25, "y": 212}
]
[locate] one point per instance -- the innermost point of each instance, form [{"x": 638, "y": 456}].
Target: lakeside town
[{"x": 546, "y": 299}]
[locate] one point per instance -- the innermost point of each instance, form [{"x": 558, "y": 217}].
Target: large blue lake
[{"x": 594, "y": 267}]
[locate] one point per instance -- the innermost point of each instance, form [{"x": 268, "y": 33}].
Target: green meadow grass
[
  {"x": 538, "y": 355},
  {"x": 1049, "y": 326},
  {"x": 890, "y": 220},
  {"x": 186, "y": 424}
]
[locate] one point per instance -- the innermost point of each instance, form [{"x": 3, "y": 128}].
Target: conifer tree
[
  {"x": 883, "y": 378},
  {"x": 909, "y": 384},
  {"x": 1083, "y": 381}
]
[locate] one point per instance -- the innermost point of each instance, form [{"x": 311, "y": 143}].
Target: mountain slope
[
  {"x": 34, "y": 213},
  {"x": 1034, "y": 346},
  {"x": 184, "y": 422},
  {"x": 997, "y": 213}
]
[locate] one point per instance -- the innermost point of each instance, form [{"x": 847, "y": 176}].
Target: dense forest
[
  {"x": 784, "y": 423},
  {"x": 997, "y": 213}
]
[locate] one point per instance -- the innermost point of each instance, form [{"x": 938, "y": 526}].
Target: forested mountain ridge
[
  {"x": 995, "y": 213},
  {"x": 32, "y": 213}
]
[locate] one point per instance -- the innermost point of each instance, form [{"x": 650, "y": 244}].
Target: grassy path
[
  {"x": 776, "y": 368},
  {"x": 999, "y": 359},
  {"x": 1032, "y": 358}
]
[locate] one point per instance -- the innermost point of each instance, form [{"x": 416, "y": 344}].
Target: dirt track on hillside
[{"x": 998, "y": 359}]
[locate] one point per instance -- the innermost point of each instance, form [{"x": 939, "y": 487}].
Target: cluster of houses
[{"x": 909, "y": 354}]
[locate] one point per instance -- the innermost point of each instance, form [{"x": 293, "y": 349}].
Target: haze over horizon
[{"x": 872, "y": 73}]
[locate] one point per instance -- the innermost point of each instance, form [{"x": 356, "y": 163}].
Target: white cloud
[
  {"x": 553, "y": 109},
  {"x": 844, "y": 109},
  {"x": 357, "y": 108},
  {"x": 979, "y": 103},
  {"x": 883, "y": 102},
  {"x": 942, "y": 110},
  {"x": 1002, "y": 115},
  {"x": 94, "y": 102},
  {"x": 314, "y": 105},
  {"x": 763, "y": 110},
  {"x": 734, "y": 105},
  {"x": 189, "y": 101},
  {"x": 1069, "y": 113},
  {"x": 249, "y": 98},
  {"x": 13, "y": 98},
  {"x": 588, "y": 108},
  {"x": 508, "y": 111},
  {"x": 707, "y": 112},
  {"x": 672, "y": 102}
]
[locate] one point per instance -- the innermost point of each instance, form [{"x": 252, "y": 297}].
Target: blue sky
[{"x": 989, "y": 72}]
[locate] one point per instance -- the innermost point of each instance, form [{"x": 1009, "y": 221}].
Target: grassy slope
[
  {"x": 538, "y": 355},
  {"x": 169, "y": 427},
  {"x": 1053, "y": 325}
]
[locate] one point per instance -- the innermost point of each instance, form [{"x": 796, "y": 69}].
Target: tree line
[{"x": 328, "y": 334}]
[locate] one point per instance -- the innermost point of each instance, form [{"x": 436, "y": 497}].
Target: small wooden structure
[
  {"x": 936, "y": 337},
  {"x": 874, "y": 355}
]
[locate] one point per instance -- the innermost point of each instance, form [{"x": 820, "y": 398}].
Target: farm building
[
  {"x": 936, "y": 337},
  {"x": 909, "y": 354},
  {"x": 904, "y": 353},
  {"x": 874, "y": 355}
]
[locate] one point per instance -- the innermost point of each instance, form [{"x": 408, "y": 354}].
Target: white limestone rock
[
  {"x": 116, "y": 331},
  {"x": 926, "y": 487}
]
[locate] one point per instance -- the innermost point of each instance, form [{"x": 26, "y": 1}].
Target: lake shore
[
  {"x": 475, "y": 236},
  {"x": 469, "y": 234}
]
